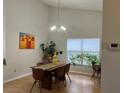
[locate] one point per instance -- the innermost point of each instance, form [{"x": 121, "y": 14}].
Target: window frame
[{"x": 82, "y": 39}]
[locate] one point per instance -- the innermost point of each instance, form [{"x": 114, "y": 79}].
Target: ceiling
[{"x": 95, "y": 5}]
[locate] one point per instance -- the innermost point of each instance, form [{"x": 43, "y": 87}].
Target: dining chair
[
  {"x": 60, "y": 75},
  {"x": 38, "y": 76},
  {"x": 67, "y": 68},
  {"x": 96, "y": 71}
]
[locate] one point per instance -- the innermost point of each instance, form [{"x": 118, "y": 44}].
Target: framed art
[{"x": 26, "y": 41}]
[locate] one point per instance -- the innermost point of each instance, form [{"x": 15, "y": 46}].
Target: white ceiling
[{"x": 77, "y": 4}]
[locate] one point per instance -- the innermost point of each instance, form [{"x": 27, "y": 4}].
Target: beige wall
[
  {"x": 110, "y": 59},
  {"x": 29, "y": 16},
  {"x": 80, "y": 24}
]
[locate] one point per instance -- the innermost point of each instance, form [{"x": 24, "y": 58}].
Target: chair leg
[
  {"x": 69, "y": 77},
  {"x": 97, "y": 75},
  {"x": 93, "y": 75},
  {"x": 33, "y": 86},
  {"x": 40, "y": 85},
  {"x": 58, "y": 83},
  {"x": 65, "y": 82}
]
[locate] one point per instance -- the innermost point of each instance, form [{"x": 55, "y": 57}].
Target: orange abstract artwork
[{"x": 26, "y": 41}]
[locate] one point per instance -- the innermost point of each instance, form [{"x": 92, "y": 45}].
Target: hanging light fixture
[{"x": 58, "y": 27}]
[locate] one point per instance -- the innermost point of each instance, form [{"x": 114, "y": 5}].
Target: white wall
[
  {"x": 79, "y": 24},
  {"x": 110, "y": 59},
  {"x": 4, "y": 30},
  {"x": 29, "y": 16}
]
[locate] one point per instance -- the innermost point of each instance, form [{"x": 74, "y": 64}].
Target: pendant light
[{"x": 58, "y": 27}]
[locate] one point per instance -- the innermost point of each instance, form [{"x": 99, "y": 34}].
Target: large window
[{"x": 83, "y": 51}]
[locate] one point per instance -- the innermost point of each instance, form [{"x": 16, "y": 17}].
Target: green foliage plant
[{"x": 49, "y": 48}]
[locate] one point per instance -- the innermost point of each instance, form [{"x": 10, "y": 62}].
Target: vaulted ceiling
[{"x": 95, "y": 5}]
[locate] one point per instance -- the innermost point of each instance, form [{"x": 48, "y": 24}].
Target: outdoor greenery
[{"x": 80, "y": 57}]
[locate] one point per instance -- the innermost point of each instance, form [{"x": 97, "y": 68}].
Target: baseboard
[
  {"x": 27, "y": 74},
  {"x": 18, "y": 77},
  {"x": 81, "y": 73}
]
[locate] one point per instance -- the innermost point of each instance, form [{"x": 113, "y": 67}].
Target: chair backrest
[
  {"x": 37, "y": 73},
  {"x": 93, "y": 65},
  {"x": 96, "y": 68},
  {"x": 60, "y": 71},
  {"x": 67, "y": 68}
]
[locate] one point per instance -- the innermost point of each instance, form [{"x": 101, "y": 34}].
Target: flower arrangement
[{"x": 49, "y": 48}]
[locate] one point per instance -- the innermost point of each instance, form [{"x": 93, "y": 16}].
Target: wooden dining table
[{"x": 48, "y": 71}]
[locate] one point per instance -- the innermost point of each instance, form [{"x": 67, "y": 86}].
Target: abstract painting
[{"x": 26, "y": 41}]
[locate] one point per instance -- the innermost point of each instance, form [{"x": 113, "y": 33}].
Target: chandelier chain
[{"x": 58, "y": 12}]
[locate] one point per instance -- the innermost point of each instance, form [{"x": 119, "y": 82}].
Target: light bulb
[
  {"x": 63, "y": 28},
  {"x": 53, "y": 28},
  {"x": 58, "y": 28}
]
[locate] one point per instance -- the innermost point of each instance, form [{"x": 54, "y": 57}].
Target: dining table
[{"x": 49, "y": 69}]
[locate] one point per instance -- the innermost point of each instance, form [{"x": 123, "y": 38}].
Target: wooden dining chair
[
  {"x": 67, "y": 68},
  {"x": 60, "y": 75},
  {"x": 38, "y": 76},
  {"x": 96, "y": 71}
]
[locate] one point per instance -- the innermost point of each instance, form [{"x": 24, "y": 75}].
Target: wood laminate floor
[{"x": 79, "y": 84}]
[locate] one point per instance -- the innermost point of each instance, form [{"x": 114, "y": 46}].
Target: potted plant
[{"x": 48, "y": 49}]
